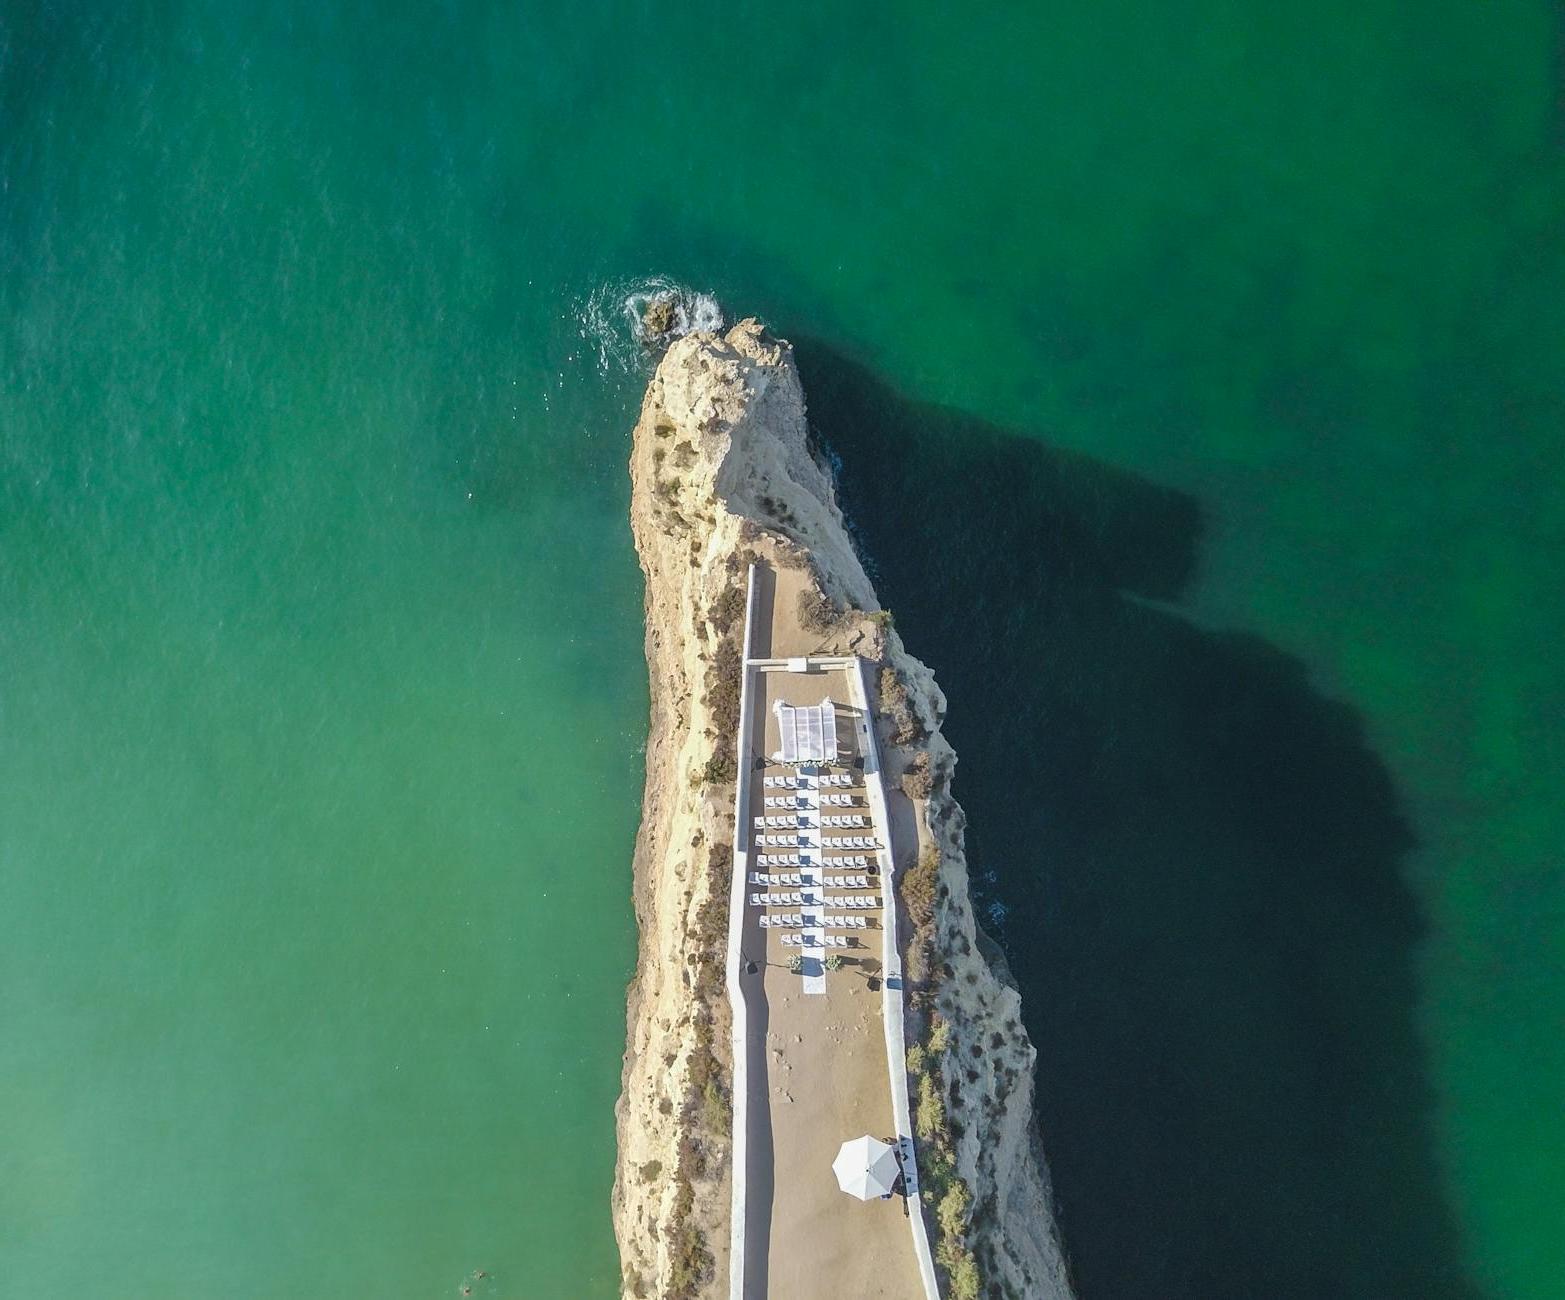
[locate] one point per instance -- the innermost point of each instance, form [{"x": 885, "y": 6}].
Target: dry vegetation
[
  {"x": 818, "y": 613},
  {"x": 907, "y": 728},
  {"x": 942, "y": 1185},
  {"x": 922, "y": 892},
  {"x": 707, "y": 1107},
  {"x": 918, "y": 781}
]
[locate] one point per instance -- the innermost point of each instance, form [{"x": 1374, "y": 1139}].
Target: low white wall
[{"x": 739, "y": 1159}]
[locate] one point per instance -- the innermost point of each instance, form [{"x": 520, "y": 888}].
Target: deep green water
[{"x": 1228, "y": 340}]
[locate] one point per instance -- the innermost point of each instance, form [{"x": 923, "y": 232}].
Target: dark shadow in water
[{"x": 1201, "y": 858}]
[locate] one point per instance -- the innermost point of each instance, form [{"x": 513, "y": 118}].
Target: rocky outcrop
[{"x": 722, "y": 473}]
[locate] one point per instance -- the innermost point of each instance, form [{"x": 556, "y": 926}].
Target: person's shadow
[{"x": 1199, "y": 857}]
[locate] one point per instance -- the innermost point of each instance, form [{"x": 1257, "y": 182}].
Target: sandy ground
[{"x": 827, "y": 1083}]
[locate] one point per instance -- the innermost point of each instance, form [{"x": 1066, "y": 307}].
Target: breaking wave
[{"x": 609, "y": 319}]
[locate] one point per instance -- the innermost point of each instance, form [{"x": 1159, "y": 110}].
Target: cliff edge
[{"x": 724, "y": 475}]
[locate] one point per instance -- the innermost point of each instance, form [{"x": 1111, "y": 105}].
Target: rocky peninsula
[{"x": 725, "y": 483}]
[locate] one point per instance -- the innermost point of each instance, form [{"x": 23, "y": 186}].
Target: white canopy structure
[
  {"x": 866, "y": 1168},
  {"x": 809, "y": 732}
]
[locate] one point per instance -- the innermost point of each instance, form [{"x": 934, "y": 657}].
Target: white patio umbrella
[{"x": 866, "y": 1168}]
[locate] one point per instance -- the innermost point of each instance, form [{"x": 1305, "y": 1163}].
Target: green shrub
[
  {"x": 916, "y": 1059},
  {"x": 937, "y": 1170},
  {"x": 939, "y": 1037},
  {"x": 962, "y": 1270},
  {"x": 953, "y": 1210},
  {"x": 651, "y": 1170},
  {"x": 929, "y": 1119}
]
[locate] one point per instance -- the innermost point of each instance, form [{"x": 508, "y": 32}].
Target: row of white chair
[
  {"x": 849, "y": 841},
  {"x": 778, "y": 841},
  {"x": 850, "y": 900},
  {"x": 829, "y": 940},
  {"x": 820, "y": 781},
  {"x": 824, "y": 922},
  {"x": 845, "y": 821},
  {"x": 840, "y": 859},
  {"x": 779, "y": 823},
  {"x": 839, "y": 800},
  {"x": 784, "y": 878}
]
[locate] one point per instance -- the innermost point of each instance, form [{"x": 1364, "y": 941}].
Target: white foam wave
[{"x": 610, "y": 318}]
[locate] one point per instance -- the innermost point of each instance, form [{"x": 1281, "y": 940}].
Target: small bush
[
  {"x": 939, "y": 1037},
  {"x": 929, "y": 1117},
  {"x": 918, "y": 887},
  {"x": 817, "y": 611},
  {"x": 651, "y": 1170},
  {"x": 938, "y": 1169},
  {"x": 917, "y": 1060},
  {"x": 716, "y": 1114},
  {"x": 722, "y": 702},
  {"x": 907, "y": 728},
  {"x": 727, "y": 609},
  {"x": 918, "y": 781},
  {"x": 953, "y": 1210},
  {"x": 962, "y": 1269},
  {"x": 721, "y": 767},
  {"x": 690, "y": 1262}
]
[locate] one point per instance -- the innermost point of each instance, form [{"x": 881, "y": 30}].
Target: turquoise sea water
[{"x": 1228, "y": 341}]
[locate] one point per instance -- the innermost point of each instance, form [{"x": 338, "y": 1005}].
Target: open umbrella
[{"x": 866, "y": 1168}]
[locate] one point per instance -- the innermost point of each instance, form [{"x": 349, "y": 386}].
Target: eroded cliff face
[{"x": 722, "y": 473}]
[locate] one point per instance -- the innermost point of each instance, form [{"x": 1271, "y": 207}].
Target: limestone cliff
[{"x": 722, "y": 473}]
